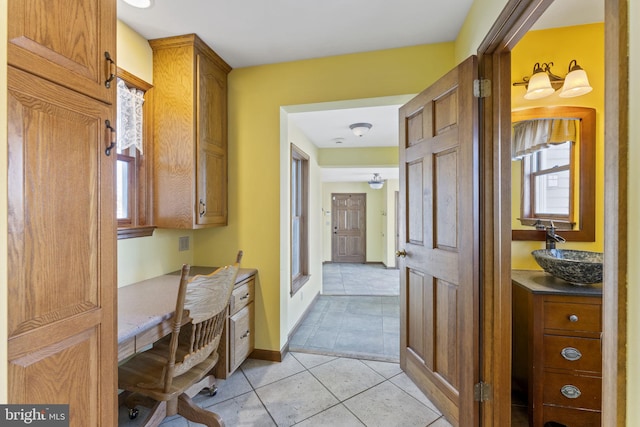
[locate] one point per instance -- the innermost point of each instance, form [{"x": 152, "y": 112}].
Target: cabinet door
[
  {"x": 61, "y": 251},
  {"x": 211, "y": 118},
  {"x": 65, "y": 42}
]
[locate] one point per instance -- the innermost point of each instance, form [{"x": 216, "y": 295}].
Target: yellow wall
[
  {"x": 146, "y": 257},
  {"x": 256, "y": 95},
  {"x": 585, "y": 43},
  {"x": 633, "y": 212},
  {"x": 3, "y": 203}
]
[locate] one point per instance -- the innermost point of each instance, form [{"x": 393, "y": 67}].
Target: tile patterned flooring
[
  {"x": 357, "y": 315},
  {"x": 314, "y": 390},
  {"x": 314, "y": 385}
]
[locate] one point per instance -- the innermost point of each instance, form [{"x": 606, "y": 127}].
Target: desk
[{"x": 145, "y": 308}]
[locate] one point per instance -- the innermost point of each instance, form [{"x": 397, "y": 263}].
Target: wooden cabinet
[
  {"x": 190, "y": 138},
  {"x": 556, "y": 356},
  {"x": 238, "y": 337},
  {"x": 61, "y": 208}
]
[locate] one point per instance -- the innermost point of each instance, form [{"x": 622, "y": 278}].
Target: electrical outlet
[{"x": 183, "y": 243}]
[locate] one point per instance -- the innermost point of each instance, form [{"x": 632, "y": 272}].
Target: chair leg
[
  {"x": 157, "y": 413},
  {"x": 188, "y": 409}
]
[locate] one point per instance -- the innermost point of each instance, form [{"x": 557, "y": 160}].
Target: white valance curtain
[
  {"x": 129, "y": 123},
  {"x": 530, "y": 136}
]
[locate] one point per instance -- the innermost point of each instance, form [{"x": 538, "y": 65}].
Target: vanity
[{"x": 557, "y": 358}]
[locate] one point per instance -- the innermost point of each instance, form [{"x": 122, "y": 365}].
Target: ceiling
[{"x": 256, "y": 32}]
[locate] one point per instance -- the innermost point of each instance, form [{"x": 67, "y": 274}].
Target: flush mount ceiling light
[
  {"x": 376, "y": 182},
  {"x": 140, "y": 4},
  {"x": 543, "y": 82},
  {"x": 360, "y": 129}
]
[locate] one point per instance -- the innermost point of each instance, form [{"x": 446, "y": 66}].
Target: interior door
[
  {"x": 348, "y": 242},
  {"x": 439, "y": 275}
]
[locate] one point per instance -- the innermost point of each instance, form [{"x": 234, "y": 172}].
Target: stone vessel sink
[{"x": 576, "y": 267}]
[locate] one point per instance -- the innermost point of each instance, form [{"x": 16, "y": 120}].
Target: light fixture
[
  {"x": 140, "y": 4},
  {"x": 576, "y": 83},
  {"x": 543, "y": 82},
  {"x": 360, "y": 129},
  {"x": 376, "y": 182}
]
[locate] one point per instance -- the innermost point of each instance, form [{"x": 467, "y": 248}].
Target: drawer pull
[
  {"x": 243, "y": 336},
  {"x": 571, "y": 354},
  {"x": 570, "y": 391},
  {"x": 573, "y": 318},
  {"x": 245, "y": 297}
]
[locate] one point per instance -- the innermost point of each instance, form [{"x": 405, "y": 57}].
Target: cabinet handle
[
  {"x": 571, "y": 354},
  {"x": 244, "y": 297},
  {"x": 570, "y": 391},
  {"x": 573, "y": 318},
  {"x": 246, "y": 334},
  {"x": 111, "y": 70},
  {"x": 112, "y": 139},
  {"x": 203, "y": 208}
]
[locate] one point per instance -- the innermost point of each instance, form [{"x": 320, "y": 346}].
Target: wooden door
[
  {"x": 61, "y": 251},
  {"x": 439, "y": 232},
  {"x": 65, "y": 42},
  {"x": 348, "y": 218},
  {"x": 211, "y": 143}
]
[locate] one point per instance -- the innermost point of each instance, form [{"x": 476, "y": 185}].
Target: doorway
[{"x": 349, "y": 227}]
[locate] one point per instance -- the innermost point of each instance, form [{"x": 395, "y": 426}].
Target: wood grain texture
[
  {"x": 190, "y": 137},
  {"x": 64, "y": 42},
  {"x": 438, "y": 284}
]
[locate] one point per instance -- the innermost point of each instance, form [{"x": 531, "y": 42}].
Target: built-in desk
[{"x": 145, "y": 309}]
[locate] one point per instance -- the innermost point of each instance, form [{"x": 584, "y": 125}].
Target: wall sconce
[
  {"x": 543, "y": 82},
  {"x": 376, "y": 183},
  {"x": 360, "y": 129}
]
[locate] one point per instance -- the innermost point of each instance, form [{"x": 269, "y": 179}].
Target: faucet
[{"x": 551, "y": 237}]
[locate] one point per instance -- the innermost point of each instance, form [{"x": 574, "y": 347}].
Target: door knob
[{"x": 401, "y": 253}]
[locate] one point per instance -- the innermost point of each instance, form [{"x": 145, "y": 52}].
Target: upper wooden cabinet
[
  {"x": 190, "y": 115},
  {"x": 66, "y": 43}
]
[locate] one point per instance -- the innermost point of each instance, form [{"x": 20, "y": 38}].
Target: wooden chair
[{"x": 178, "y": 366}]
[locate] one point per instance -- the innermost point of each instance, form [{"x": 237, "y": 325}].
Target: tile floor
[
  {"x": 366, "y": 327},
  {"x": 359, "y": 279},
  {"x": 314, "y": 390}
]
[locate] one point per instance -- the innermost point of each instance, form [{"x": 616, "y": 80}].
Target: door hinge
[
  {"x": 482, "y": 392},
  {"x": 481, "y": 88}
]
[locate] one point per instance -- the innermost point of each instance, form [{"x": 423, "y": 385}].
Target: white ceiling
[{"x": 254, "y": 32}]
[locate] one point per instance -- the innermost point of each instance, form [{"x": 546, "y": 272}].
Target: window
[
  {"x": 133, "y": 163},
  {"x": 299, "y": 218}
]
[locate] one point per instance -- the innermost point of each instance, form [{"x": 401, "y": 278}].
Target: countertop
[
  {"x": 144, "y": 304},
  {"x": 539, "y": 282}
]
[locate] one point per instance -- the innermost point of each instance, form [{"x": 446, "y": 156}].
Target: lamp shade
[
  {"x": 576, "y": 83},
  {"x": 142, "y": 4},
  {"x": 360, "y": 129},
  {"x": 539, "y": 86},
  {"x": 376, "y": 183}
]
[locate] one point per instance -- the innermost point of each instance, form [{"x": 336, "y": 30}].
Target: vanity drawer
[
  {"x": 558, "y": 389},
  {"x": 572, "y": 316},
  {"x": 241, "y": 336},
  {"x": 571, "y": 417},
  {"x": 581, "y": 354},
  {"x": 241, "y": 296}
]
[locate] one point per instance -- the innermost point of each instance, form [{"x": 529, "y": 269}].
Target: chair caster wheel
[
  {"x": 133, "y": 413},
  {"x": 213, "y": 391}
]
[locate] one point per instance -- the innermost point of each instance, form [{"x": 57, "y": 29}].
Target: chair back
[{"x": 201, "y": 312}]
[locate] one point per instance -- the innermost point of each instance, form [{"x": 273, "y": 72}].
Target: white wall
[{"x": 293, "y": 307}]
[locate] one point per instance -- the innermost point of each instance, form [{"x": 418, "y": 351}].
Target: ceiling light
[
  {"x": 360, "y": 129},
  {"x": 141, "y": 4},
  {"x": 543, "y": 82},
  {"x": 376, "y": 182}
]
